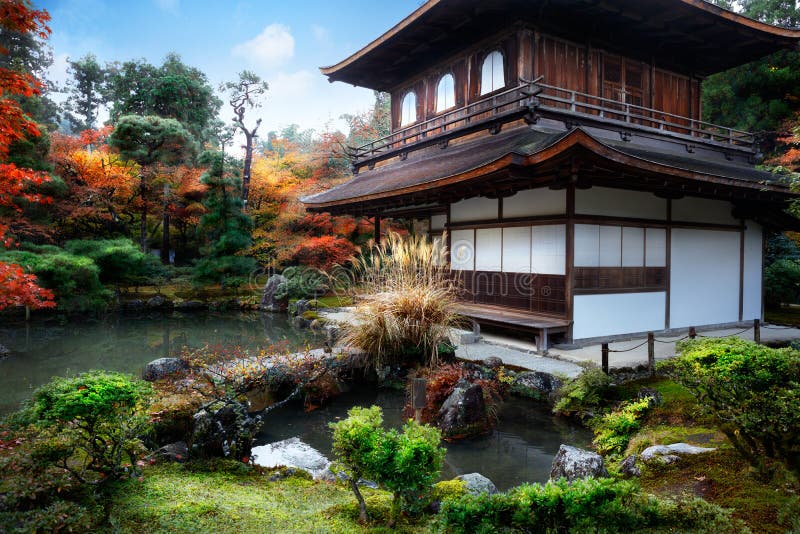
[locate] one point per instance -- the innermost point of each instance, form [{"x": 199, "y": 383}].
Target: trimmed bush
[
  {"x": 584, "y": 395},
  {"x": 752, "y": 391},
  {"x": 614, "y": 430},
  {"x": 121, "y": 261},
  {"x": 782, "y": 282}
]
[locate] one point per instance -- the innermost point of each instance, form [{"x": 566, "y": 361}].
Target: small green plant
[
  {"x": 406, "y": 463},
  {"x": 584, "y": 395},
  {"x": 614, "y": 430},
  {"x": 753, "y": 393}
]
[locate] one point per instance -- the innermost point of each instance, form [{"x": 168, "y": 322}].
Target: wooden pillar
[
  {"x": 741, "y": 271},
  {"x": 668, "y": 264},
  {"x": 604, "y": 357},
  {"x": 651, "y": 353},
  {"x": 757, "y": 331},
  {"x": 569, "y": 285},
  {"x": 377, "y": 231}
]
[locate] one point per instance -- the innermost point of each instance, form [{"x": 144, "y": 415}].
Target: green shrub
[
  {"x": 590, "y": 505},
  {"x": 752, "y": 391},
  {"x": 404, "y": 463},
  {"x": 583, "y": 395},
  {"x": 74, "y": 279},
  {"x": 782, "y": 282},
  {"x": 614, "y": 430},
  {"x": 121, "y": 261},
  {"x": 302, "y": 283}
]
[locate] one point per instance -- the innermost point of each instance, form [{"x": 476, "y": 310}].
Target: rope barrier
[
  {"x": 630, "y": 349},
  {"x": 667, "y": 342},
  {"x": 725, "y": 335}
]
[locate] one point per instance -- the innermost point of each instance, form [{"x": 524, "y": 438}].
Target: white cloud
[
  {"x": 273, "y": 46},
  {"x": 170, "y": 6},
  {"x": 321, "y": 34}
]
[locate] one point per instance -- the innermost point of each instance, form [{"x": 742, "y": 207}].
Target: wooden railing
[{"x": 535, "y": 96}]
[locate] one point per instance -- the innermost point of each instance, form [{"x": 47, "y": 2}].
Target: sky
[{"x": 283, "y": 41}]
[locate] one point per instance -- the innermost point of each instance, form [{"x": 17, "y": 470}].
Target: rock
[
  {"x": 4, "y": 351},
  {"x": 293, "y": 452},
  {"x": 464, "y": 412},
  {"x": 282, "y": 473},
  {"x": 671, "y": 453},
  {"x": 189, "y": 305},
  {"x": 300, "y": 322},
  {"x": 573, "y": 463},
  {"x": 270, "y": 299},
  {"x": 158, "y": 369},
  {"x": 476, "y": 484},
  {"x": 536, "y": 384},
  {"x": 158, "y": 302},
  {"x": 332, "y": 333},
  {"x": 225, "y": 429},
  {"x": 300, "y": 307},
  {"x": 173, "y": 452},
  {"x": 134, "y": 305},
  {"x": 492, "y": 362},
  {"x": 628, "y": 467},
  {"x": 648, "y": 393}
]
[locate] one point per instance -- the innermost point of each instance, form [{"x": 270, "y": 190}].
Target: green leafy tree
[
  {"x": 226, "y": 228},
  {"x": 245, "y": 94},
  {"x": 85, "y": 88},
  {"x": 151, "y": 141}
]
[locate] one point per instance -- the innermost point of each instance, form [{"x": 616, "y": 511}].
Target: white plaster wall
[
  {"x": 655, "y": 247},
  {"x": 620, "y": 203},
  {"x": 704, "y": 277},
  {"x": 533, "y": 202},
  {"x": 752, "y": 271},
  {"x": 691, "y": 209},
  {"x": 462, "y": 250},
  {"x": 488, "y": 249},
  {"x": 587, "y": 245},
  {"x": 438, "y": 222},
  {"x": 517, "y": 250},
  {"x": 624, "y": 313},
  {"x": 474, "y": 209},
  {"x": 548, "y": 247}
]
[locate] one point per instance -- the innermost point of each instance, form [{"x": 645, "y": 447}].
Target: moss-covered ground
[
  {"x": 226, "y": 496},
  {"x": 722, "y": 477}
]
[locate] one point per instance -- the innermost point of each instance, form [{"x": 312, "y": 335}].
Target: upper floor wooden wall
[{"x": 570, "y": 65}]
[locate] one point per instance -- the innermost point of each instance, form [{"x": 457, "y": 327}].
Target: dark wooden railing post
[
  {"x": 651, "y": 353},
  {"x": 757, "y": 331},
  {"x": 692, "y": 332},
  {"x": 604, "y": 360}
]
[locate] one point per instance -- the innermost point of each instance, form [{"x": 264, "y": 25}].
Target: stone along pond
[{"x": 521, "y": 449}]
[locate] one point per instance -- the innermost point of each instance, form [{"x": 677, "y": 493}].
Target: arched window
[
  {"x": 408, "y": 110},
  {"x": 493, "y": 75},
  {"x": 445, "y": 93}
]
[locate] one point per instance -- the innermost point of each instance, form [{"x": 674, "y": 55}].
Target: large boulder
[
  {"x": 573, "y": 463},
  {"x": 158, "y": 302},
  {"x": 173, "y": 452},
  {"x": 224, "y": 429},
  {"x": 536, "y": 385},
  {"x": 668, "y": 454},
  {"x": 162, "y": 367},
  {"x": 293, "y": 452},
  {"x": 476, "y": 483},
  {"x": 628, "y": 467},
  {"x": 464, "y": 412},
  {"x": 272, "y": 297},
  {"x": 301, "y": 306}
]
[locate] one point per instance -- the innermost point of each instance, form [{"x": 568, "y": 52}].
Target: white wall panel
[
  {"x": 438, "y": 222},
  {"x": 610, "y": 249},
  {"x": 620, "y": 203},
  {"x": 690, "y": 209},
  {"x": 609, "y": 315},
  {"x": 587, "y": 245},
  {"x": 488, "y": 248},
  {"x": 632, "y": 246},
  {"x": 656, "y": 247},
  {"x": 474, "y": 209},
  {"x": 533, "y": 202},
  {"x": 704, "y": 277},
  {"x": 549, "y": 245},
  {"x": 462, "y": 250},
  {"x": 752, "y": 271},
  {"x": 517, "y": 249}
]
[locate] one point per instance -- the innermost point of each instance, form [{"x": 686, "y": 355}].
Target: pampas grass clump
[{"x": 408, "y": 301}]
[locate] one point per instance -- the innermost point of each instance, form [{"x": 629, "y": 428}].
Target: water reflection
[
  {"x": 41, "y": 350},
  {"x": 520, "y": 450}
]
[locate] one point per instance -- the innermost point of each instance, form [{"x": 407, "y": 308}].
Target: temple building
[{"x": 560, "y": 145}]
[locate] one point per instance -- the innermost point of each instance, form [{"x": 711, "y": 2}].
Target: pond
[{"x": 520, "y": 450}]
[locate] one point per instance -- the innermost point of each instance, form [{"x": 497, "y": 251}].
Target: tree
[
  {"x": 85, "y": 88},
  {"x": 151, "y": 141},
  {"x": 372, "y": 124},
  {"x": 245, "y": 94},
  {"x": 225, "y": 226},
  {"x": 17, "y": 288},
  {"x": 174, "y": 91}
]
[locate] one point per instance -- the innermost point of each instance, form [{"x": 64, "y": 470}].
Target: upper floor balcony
[{"x": 535, "y": 100}]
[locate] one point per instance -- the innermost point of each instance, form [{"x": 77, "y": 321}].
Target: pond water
[
  {"x": 521, "y": 449},
  {"x": 125, "y": 343}
]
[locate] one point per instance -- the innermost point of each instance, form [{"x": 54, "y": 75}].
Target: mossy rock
[{"x": 449, "y": 489}]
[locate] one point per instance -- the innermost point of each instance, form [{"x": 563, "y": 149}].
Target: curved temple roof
[
  {"x": 688, "y": 36},
  {"x": 427, "y": 171}
]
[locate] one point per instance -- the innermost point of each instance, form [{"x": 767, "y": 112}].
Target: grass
[
  {"x": 786, "y": 316},
  {"x": 226, "y": 496},
  {"x": 722, "y": 477}
]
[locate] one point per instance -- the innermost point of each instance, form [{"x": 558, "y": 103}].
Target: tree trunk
[
  {"x": 165, "y": 230},
  {"x": 248, "y": 161},
  {"x": 362, "y": 506},
  {"x": 143, "y": 228}
]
